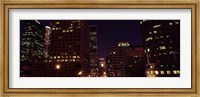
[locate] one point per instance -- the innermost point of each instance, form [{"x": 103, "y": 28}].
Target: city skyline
[
  {"x": 100, "y": 48},
  {"x": 107, "y": 29}
]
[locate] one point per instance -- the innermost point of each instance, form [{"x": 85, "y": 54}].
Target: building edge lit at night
[
  {"x": 162, "y": 47},
  {"x": 31, "y": 47}
]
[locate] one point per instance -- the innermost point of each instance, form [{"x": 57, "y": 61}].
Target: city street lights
[
  {"x": 79, "y": 73},
  {"x": 57, "y": 68}
]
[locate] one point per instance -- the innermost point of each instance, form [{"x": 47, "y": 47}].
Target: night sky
[{"x": 110, "y": 32}]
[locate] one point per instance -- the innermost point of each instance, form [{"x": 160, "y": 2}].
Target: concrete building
[{"x": 69, "y": 48}]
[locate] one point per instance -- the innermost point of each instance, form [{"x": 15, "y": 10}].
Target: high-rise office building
[
  {"x": 31, "y": 47},
  {"x": 161, "y": 40},
  {"x": 93, "y": 50},
  {"x": 69, "y": 48}
]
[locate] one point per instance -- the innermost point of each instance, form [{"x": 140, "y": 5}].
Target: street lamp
[
  {"x": 80, "y": 72},
  {"x": 102, "y": 65},
  {"x": 57, "y": 68}
]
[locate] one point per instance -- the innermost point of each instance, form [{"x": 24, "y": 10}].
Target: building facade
[
  {"x": 162, "y": 47},
  {"x": 93, "y": 50},
  {"x": 69, "y": 48},
  {"x": 135, "y": 61}
]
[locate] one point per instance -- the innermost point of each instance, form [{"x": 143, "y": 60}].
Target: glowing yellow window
[
  {"x": 162, "y": 72},
  {"x": 54, "y": 57},
  {"x": 74, "y": 57},
  {"x": 168, "y": 72},
  {"x": 175, "y": 72},
  {"x": 156, "y": 72}
]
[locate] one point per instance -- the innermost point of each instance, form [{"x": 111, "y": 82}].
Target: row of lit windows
[
  {"x": 68, "y": 30},
  {"x": 125, "y": 44},
  {"x": 163, "y": 72},
  {"x": 157, "y": 37},
  {"x": 152, "y": 66},
  {"x": 160, "y": 48},
  {"x": 64, "y": 60},
  {"x": 58, "y": 57}
]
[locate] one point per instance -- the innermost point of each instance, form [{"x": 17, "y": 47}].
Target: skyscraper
[
  {"x": 31, "y": 46},
  {"x": 93, "y": 50},
  {"x": 69, "y": 48},
  {"x": 161, "y": 39}
]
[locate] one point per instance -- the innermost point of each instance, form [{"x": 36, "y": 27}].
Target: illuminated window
[
  {"x": 170, "y": 23},
  {"x": 176, "y": 22},
  {"x": 178, "y": 72},
  {"x": 66, "y": 60},
  {"x": 140, "y": 22},
  {"x": 53, "y": 28},
  {"x": 78, "y": 56},
  {"x": 57, "y": 22},
  {"x": 162, "y": 47},
  {"x": 58, "y": 60},
  {"x": 175, "y": 72},
  {"x": 147, "y": 72},
  {"x": 149, "y": 38},
  {"x": 71, "y": 24},
  {"x": 114, "y": 52},
  {"x": 62, "y": 60},
  {"x": 162, "y": 72},
  {"x": 154, "y": 31},
  {"x": 58, "y": 56},
  {"x": 63, "y": 30},
  {"x": 148, "y": 50},
  {"x": 73, "y": 60},
  {"x": 56, "y": 28},
  {"x": 167, "y": 36},
  {"x": 161, "y": 36},
  {"x": 123, "y": 44},
  {"x": 156, "y": 72},
  {"x": 71, "y": 30},
  {"x": 168, "y": 72},
  {"x": 66, "y": 56},
  {"x": 151, "y": 66},
  {"x": 150, "y": 32},
  {"x": 156, "y": 26},
  {"x": 151, "y": 72},
  {"x": 74, "y": 57},
  {"x": 54, "y": 57},
  {"x": 50, "y": 60},
  {"x": 51, "y": 57}
]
